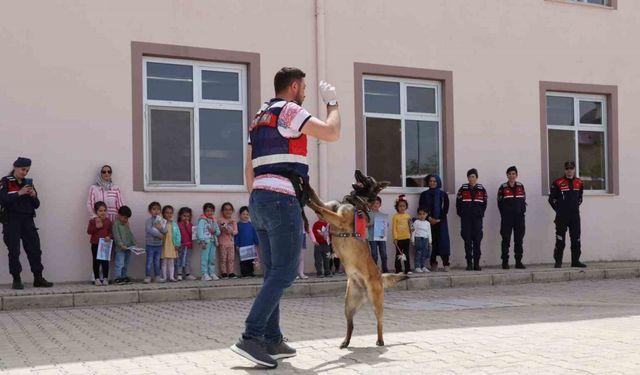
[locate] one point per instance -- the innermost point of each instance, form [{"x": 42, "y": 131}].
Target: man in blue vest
[{"x": 277, "y": 174}]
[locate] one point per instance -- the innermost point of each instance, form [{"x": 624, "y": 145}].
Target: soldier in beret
[{"x": 19, "y": 201}]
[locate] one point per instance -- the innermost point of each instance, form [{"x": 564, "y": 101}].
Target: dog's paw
[
  {"x": 380, "y": 342},
  {"x": 344, "y": 344}
]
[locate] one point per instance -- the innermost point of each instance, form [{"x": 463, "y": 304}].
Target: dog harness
[{"x": 359, "y": 224}]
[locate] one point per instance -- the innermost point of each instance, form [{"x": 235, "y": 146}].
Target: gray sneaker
[
  {"x": 254, "y": 350},
  {"x": 280, "y": 349}
]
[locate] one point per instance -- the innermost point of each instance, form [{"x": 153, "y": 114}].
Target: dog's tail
[{"x": 391, "y": 279}]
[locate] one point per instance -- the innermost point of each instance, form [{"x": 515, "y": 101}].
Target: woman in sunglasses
[{"x": 106, "y": 191}]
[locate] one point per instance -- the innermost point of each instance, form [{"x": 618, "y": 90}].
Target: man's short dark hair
[
  {"x": 512, "y": 169},
  {"x": 124, "y": 211},
  {"x": 285, "y": 77},
  {"x": 472, "y": 171}
]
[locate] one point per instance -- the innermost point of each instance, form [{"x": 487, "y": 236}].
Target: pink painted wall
[{"x": 66, "y": 97}]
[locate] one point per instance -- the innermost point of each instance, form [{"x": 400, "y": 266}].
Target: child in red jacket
[{"x": 99, "y": 227}]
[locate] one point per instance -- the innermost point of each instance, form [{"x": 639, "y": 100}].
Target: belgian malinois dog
[{"x": 365, "y": 282}]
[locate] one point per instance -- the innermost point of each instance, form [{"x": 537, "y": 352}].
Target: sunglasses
[
  {"x": 570, "y": 168},
  {"x": 107, "y": 172}
]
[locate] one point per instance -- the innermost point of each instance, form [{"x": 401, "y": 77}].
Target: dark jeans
[
  {"x": 562, "y": 224},
  {"x": 246, "y": 268},
  {"x": 379, "y": 247},
  {"x": 278, "y": 223},
  {"x": 334, "y": 263},
  {"x": 99, "y": 263},
  {"x": 512, "y": 223},
  {"x": 404, "y": 248},
  {"x": 21, "y": 227},
  {"x": 471, "y": 231},
  {"x": 322, "y": 259}
]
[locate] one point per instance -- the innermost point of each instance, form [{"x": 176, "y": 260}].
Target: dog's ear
[{"x": 382, "y": 184}]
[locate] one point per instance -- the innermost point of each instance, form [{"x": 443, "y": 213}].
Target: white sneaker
[
  {"x": 146, "y": 280},
  {"x": 159, "y": 280},
  {"x": 425, "y": 269},
  {"x": 214, "y": 277},
  {"x": 105, "y": 282},
  {"x": 418, "y": 270},
  {"x": 206, "y": 278},
  {"x": 179, "y": 277},
  {"x": 304, "y": 277},
  {"x": 409, "y": 273},
  {"x": 446, "y": 268},
  {"x": 190, "y": 277},
  {"x": 97, "y": 282}
]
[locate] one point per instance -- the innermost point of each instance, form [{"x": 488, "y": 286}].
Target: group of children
[
  {"x": 170, "y": 242},
  {"x": 406, "y": 232}
]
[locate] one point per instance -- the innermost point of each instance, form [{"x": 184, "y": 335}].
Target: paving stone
[
  {"x": 331, "y": 288},
  {"x": 298, "y": 289},
  {"x": 477, "y": 279},
  {"x": 436, "y": 282},
  {"x": 36, "y": 301},
  {"x": 621, "y": 273},
  {"x": 587, "y": 274},
  {"x": 418, "y": 283},
  {"x": 511, "y": 278},
  {"x": 105, "y": 298},
  {"x": 169, "y": 295},
  {"x": 229, "y": 292},
  {"x": 551, "y": 276}
]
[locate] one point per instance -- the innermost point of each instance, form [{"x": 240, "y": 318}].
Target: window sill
[
  {"x": 597, "y": 6},
  {"x": 196, "y": 189}
]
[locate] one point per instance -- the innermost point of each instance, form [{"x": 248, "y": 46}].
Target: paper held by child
[
  {"x": 104, "y": 249},
  {"x": 248, "y": 252},
  {"x": 162, "y": 221},
  {"x": 380, "y": 225},
  {"x": 136, "y": 250}
]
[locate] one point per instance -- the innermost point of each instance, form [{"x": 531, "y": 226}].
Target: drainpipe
[{"x": 321, "y": 73}]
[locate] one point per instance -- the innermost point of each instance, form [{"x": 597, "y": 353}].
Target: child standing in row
[
  {"x": 122, "y": 240},
  {"x": 183, "y": 261},
  {"x": 321, "y": 248},
  {"x": 228, "y": 229},
  {"x": 378, "y": 241},
  {"x": 421, "y": 239},
  {"x": 99, "y": 227},
  {"x": 170, "y": 244},
  {"x": 155, "y": 233},
  {"x": 247, "y": 236},
  {"x": 207, "y": 236},
  {"x": 401, "y": 224}
]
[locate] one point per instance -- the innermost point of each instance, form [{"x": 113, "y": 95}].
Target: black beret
[{"x": 22, "y": 162}]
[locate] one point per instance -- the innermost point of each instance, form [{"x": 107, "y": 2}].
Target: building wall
[{"x": 66, "y": 97}]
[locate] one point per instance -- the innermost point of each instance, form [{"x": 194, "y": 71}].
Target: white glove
[{"x": 328, "y": 93}]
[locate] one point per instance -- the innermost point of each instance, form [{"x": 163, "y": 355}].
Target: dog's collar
[{"x": 346, "y": 234}]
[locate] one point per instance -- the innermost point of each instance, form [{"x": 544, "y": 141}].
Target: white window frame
[
  {"x": 195, "y": 106},
  {"x": 403, "y": 116},
  {"x": 608, "y": 3},
  {"x": 578, "y": 126}
]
